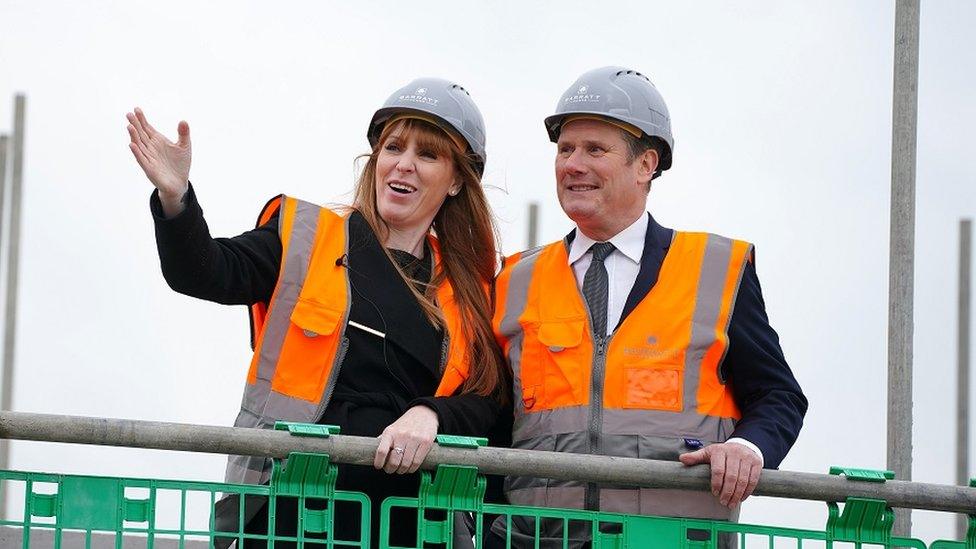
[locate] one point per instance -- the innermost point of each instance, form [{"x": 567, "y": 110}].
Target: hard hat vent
[{"x": 632, "y": 72}]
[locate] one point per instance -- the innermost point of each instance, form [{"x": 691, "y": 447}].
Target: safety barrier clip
[
  {"x": 457, "y": 441},
  {"x": 863, "y": 520},
  {"x": 307, "y": 429}
]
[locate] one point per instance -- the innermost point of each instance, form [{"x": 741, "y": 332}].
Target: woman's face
[{"x": 414, "y": 173}]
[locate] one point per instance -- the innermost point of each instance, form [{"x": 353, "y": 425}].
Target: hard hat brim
[
  {"x": 554, "y": 124},
  {"x": 382, "y": 116}
]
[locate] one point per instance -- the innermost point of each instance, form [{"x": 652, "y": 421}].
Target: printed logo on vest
[{"x": 650, "y": 352}]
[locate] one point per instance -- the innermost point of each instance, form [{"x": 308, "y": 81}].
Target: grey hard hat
[
  {"x": 445, "y": 101},
  {"x": 620, "y": 94}
]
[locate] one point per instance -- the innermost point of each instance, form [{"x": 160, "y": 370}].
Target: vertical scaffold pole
[
  {"x": 4, "y": 375},
  {"x": 13, "y": 254},
  {"x": 4, "y": 147},
  {"x": 533, "y": 238},
  {"x": 901, "y": 270},
  {"x": 962, "y": 350}
]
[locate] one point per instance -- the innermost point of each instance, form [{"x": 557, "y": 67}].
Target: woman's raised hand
[{"x": 167, "y": 164}]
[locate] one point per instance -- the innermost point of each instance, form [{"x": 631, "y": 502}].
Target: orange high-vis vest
[
  {"x": 648, "y": 390},
  {"x": 299, "y": 337}
]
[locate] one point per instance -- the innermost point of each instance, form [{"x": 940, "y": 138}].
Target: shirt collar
[{"x": 629, "y": 241}]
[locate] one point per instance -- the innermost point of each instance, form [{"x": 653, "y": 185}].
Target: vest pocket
[
  {"x": 654, "y": 384},
  {"x": 308, "y": 351},
  {"x": 663, "y": 448},
  {"x": 555, "y": 364},
  {"x": 314, "y": 318}
]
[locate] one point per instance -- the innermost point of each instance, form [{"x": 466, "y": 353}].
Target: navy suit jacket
[{"x": 763, "y": 386}]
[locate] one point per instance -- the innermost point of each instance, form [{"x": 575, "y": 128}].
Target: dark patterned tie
[{"x": 596, "y": 287}]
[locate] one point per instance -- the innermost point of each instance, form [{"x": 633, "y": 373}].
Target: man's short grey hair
[{"x": 637, "y": 146}]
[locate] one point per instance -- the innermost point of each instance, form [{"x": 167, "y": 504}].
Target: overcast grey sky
[{"x": 781, "y": 112}]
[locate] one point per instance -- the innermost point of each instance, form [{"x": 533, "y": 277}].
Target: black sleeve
[
  {"x": 242, "y": 270},
  {"x": 468, "y": 414},
  {"x": 763, "y": 386}
]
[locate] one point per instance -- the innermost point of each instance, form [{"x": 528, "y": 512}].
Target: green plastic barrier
[
  {"x": 126, "y": 508},
  {"x": 859, "y": 521},
  {"x": 87, "y": 506},
  {"x": 970, "y": 540},
  {"x": 459, "y": 489}
]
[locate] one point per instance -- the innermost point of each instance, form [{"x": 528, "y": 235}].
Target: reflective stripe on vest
[
  {"x": 654, "y": 383},
  {"x": 301, "y": 343}
]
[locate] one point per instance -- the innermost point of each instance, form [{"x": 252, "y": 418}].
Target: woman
[{"x": 361, "y": 319}]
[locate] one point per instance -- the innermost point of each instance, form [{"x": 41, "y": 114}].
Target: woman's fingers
[
  {"x": 140, "y": 130},
  {"x": 390, "y": 454},
  {"x": 133, "y": 135},
  {"x": 140, "y": 157},
  {"x": 420, "y": 455},
  {"x": 400, "y": 456},
  {"x": 409, "y": 440},
  {"x": 150, "y": 131},
  {"x": 406, "y": 459},
  {"x": 414, "y": 452},
  {"x": 138, "y": 142},
  {"x": 138, "y": 149},
  {"x": 382, "y": 450}
]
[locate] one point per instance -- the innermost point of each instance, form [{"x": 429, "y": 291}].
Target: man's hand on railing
[{"x": 735, "y": 470}]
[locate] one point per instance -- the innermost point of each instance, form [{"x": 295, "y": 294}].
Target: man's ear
[{"x": 646, "y": 165}]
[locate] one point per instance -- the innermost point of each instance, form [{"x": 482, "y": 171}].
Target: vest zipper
[{"x": 597, "y": 370}]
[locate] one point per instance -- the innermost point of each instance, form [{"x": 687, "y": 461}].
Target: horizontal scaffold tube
[{"x": 504, "y": 461}]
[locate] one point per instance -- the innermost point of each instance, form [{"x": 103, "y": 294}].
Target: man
[{"x": 630, "y": 339}]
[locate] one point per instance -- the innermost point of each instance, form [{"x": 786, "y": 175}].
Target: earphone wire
[{"x": 386, "y": 360}]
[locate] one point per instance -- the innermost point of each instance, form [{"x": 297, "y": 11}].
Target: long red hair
[{"x": 467, "y": 237}]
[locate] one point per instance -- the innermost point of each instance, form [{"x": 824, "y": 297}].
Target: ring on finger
[{"x": 398, "y": 450}]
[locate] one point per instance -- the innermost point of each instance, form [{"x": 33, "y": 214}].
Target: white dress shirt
[{"x": 623, "y": 265}]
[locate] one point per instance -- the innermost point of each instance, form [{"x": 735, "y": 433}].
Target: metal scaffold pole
[
  {"x": 500, "y": 461},
  {"x": 533, "y": 237},
  {"x": 4, "y": 147},
  {"x": 901, "y": 270},
  {"x": 13, "y": 255},
  {"x": 962, "y": 348},
  {"x": 6, "y": 376}
]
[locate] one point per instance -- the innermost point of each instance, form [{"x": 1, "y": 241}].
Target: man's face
[{"x": 597, "y": 187}]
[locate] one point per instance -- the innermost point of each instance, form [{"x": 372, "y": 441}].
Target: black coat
[{"x": 379, "y": 378}]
